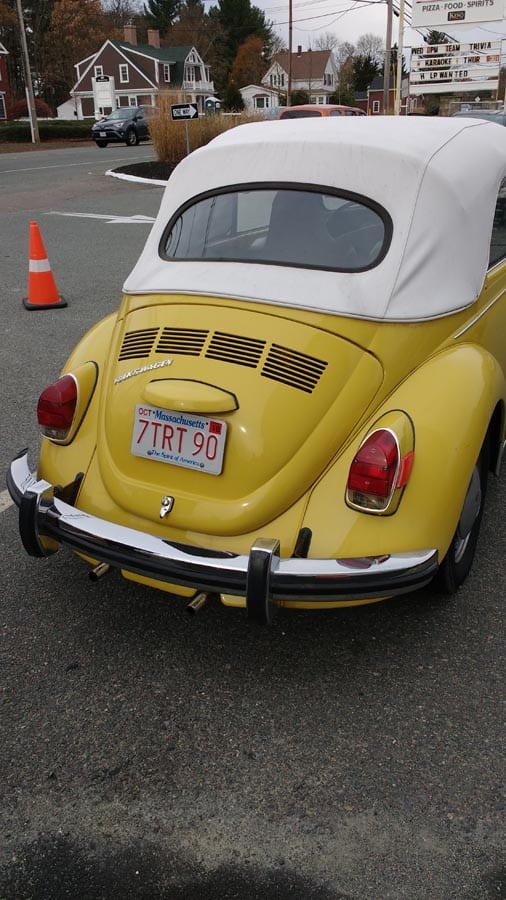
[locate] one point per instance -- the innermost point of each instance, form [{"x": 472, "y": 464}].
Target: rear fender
[
  {"x": 451, "y": 400},
  {"x": 59, "y": 464}
]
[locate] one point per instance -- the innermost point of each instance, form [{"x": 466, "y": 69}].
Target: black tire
[
  {"x": 101, "y": 143},
  {"x": 458, "y": 561},
  {"x": 132, "y": 138}
]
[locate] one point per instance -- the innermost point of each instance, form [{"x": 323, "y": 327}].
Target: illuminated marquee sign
[{"x": 440, "y": 68}]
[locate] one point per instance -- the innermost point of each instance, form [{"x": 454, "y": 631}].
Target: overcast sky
[{"x": 350, "y": 19}]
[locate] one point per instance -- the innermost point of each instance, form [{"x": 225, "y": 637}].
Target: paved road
[{"x": 357, "y": 755}]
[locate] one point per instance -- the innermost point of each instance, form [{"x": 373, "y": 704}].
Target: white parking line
[
  {"x": 5, "y": 501},
  {"x": 111, "y": 220},
  {"x": 66, "y": 165}
]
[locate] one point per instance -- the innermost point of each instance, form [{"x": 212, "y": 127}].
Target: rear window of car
[
  {"x": 281, "y": 225},
  {"x": 345, "y": 112},
  {"x": 300, "y": 114}
]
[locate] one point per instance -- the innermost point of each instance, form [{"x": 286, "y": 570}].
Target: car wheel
[
  {"x": 132, "y": 138},
  {"x": 101, "y": 143},
  {"x": 458, "y": 561}
]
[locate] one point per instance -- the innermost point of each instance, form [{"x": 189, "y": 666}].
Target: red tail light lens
[
  {"x": 374, "y": 471},
  {"x": 56, "y": 408}
]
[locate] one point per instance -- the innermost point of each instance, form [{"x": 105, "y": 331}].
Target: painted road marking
[
  {"x": 66, "y": 165},
  {"x": 111, "y": 220}
]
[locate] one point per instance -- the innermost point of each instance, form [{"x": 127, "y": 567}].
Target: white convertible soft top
[{"x": 438, "y": 178}]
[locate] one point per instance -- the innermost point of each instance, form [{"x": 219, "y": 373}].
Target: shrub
[
  {"x": 169, "y": 137},
  {"x": 57, "y": 129},
  {"x": 19, "y": 110},
  {"x": 299, "y": 98}
]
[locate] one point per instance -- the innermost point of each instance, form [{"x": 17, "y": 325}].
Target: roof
[
  {"x": 438, "y": 178},
  {"x": 164, "y": 54},
  {"x": 305, "y": 66}
]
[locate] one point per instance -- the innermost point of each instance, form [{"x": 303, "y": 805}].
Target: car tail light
[
  {"x": 377, "y": 471},
  {"x": 56, "y": 408}
]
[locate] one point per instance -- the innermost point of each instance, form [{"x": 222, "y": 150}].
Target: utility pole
[
  {"x": 28, "y": 76},
  {"x": 386, "y": 64},
  {"x": 289, "y": 88},
  {"x": 400, "y": 50}
]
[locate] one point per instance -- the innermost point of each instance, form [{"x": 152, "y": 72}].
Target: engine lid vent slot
[
  {"x": 293, "y": 368},
  {"x": 242, "y": 351},
  {"x": 138, "y": 344}
]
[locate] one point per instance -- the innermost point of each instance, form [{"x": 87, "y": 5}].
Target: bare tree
[
  {"x": 326, "y": 41},
  {"x": 372, "y": 46},
  {"x": 344, "y": 53},
  {"x": 121, "y": 11}
]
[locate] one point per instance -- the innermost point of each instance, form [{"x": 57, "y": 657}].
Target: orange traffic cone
[{"x": 42, "y": 290}]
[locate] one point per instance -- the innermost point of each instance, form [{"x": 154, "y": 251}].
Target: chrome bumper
[{"x": 45, "y": 522}]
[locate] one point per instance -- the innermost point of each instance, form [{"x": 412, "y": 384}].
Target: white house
[
  {"x": 312, "y": 71},
  {"x": 259, "y": 99}
]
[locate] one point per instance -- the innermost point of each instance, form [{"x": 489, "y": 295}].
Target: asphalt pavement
[{"x": 144, "y": 753}]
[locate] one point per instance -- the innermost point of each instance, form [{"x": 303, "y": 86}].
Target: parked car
[
  {"x": 302, "y": 395},
  {"x": 307, "y": 110},
  {"x": 490, "y": 115},
  {"x": 125, "y": 125}
]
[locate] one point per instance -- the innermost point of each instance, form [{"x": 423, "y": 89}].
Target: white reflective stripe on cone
[{"x": 39, "y": 265}]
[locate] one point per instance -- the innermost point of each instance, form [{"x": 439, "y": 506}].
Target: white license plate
[
  {"x": 182, "y": 439},
  {"x": 103, "y": 134}
]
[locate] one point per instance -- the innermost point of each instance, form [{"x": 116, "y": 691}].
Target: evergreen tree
[
  {"x": 232, "y": 98},
  {"x": 393, "y": 64},
  {"x": 365, "y": 69},
  {"x": 239, "y": 20},
  {"x": 161, "y": 14},
  {"x": 436, "y": 37}
]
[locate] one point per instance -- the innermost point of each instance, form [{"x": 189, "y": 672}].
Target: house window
[
  {"x": 498, "y": 241},
  {"x": 99, "y": 70},
  {"x": 260, "y": 102},
  {"x": 166, "y": 72},
  {"x": 123, "y": 73},
  {"x": 375, "y": 106},
  {"x": 3, "y": 114},
  {"x": 190, "y": 73},
  {"x": 282, "y": 81}
]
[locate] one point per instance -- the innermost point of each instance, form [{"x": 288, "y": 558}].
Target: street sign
[{"x": 184, "y": 111}]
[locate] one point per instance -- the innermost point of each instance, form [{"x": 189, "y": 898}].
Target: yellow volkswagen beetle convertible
[{"x": 303, "y": 392}]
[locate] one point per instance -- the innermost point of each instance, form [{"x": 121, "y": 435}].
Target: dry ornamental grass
[{"x": 169, "y": 137}]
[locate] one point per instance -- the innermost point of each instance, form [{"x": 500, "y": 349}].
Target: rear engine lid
[{"x": 277, "y": 398}]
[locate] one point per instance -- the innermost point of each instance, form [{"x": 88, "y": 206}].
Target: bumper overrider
[{"x": 46, "y": 521}]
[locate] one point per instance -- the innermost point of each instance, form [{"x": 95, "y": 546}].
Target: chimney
[
  {"x": 154, "y": 38},
  {"x": 130, "y": 32}
]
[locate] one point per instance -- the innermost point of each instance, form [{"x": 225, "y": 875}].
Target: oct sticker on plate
[{"x": 183, "y": 439}]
